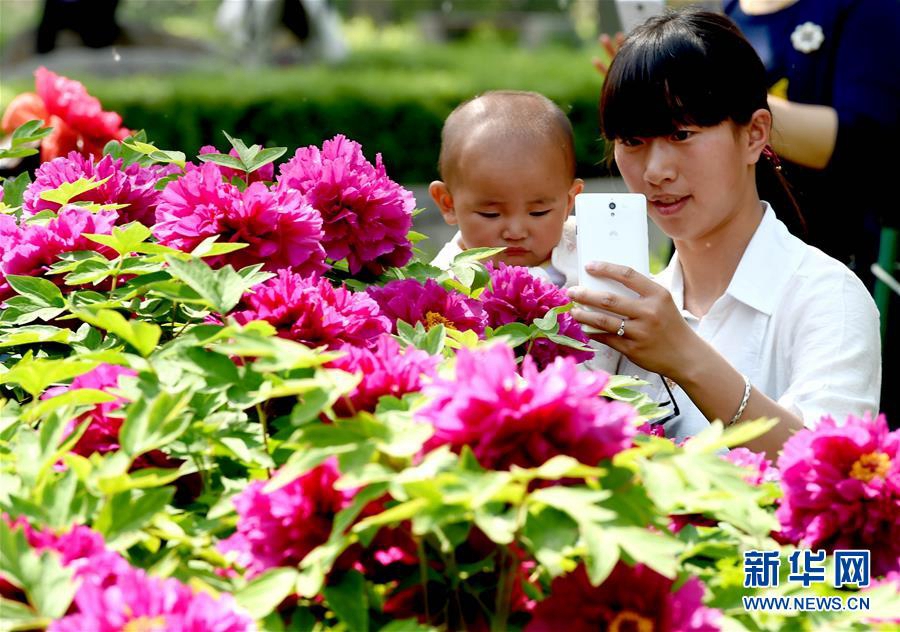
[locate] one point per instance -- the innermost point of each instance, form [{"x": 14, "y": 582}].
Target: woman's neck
[
  {"x": 709, "y": 263},
  {"x": 764, "y": 7}
]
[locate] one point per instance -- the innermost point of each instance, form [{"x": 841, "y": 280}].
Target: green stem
[
  {"x": 423, "y": 576},
  {"x": 261, "y": 413}
]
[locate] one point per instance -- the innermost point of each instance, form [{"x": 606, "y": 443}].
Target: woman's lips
[{"x": 669, "y": 206}]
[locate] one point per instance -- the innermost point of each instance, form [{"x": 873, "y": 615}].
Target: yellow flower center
[
  {"x": 146, "y": 624},
  {"x": 628, "y": 621},
  {"x": 870, "y": 465},
  {"x": 433, "y": 318}
]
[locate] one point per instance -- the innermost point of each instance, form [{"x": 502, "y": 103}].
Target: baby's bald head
[{"x": 507, "y": 117}]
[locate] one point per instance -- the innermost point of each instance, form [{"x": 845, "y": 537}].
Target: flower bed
[{"x": 232, "y": 399}]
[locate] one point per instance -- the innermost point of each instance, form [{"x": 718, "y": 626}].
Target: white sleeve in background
[{"x": 444, "y": 258}]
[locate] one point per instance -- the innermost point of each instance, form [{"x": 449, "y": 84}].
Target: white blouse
[{"x": 795, "y": 321}]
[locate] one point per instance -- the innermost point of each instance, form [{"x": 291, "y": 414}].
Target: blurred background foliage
[{"x": 409, "y": 63}]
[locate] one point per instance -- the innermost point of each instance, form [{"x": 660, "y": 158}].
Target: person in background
[
  {"x": 833, "y": 74},
  {"x": 747, "y": 320}
]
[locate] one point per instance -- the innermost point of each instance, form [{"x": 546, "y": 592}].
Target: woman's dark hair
[{"x": 691, "y": 67}]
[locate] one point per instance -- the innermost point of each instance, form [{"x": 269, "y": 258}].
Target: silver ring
[{"x": 621, "y": 330}]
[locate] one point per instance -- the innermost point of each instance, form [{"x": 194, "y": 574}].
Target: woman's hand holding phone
[{"x": 655, "y": 335}]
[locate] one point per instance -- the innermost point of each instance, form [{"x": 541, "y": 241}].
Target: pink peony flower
[
  {"x": 281, "y": 229},
  {"x": 266, "y": 173},
  {"x": 70, "y": 101},
  {"x": 515, "y": 295},
  {"x": 138, "y": 601},
  {"x": 313, "y": 312},
  {"x": 280, "y": 528},
  {"x": 366, "y": 215},
  {"x": 759, "y": 468},
  {"x": 841, "y": 488},
  {"x": 102, "y": 435},
  {"x": 631, "y": 598},
  {"x": 508, "y": 420},
  {"x": 386, "y": 370},
  {"x": 78, "y": 122},
  {"x": 30, "y": 249},
  {"x": 134, "y": 186},
  {"x": 429, "y": 304}
]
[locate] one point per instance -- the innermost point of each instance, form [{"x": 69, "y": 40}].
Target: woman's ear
[
  {"x": 444, "y": 200},
  {"x": 759, "y": 129}
]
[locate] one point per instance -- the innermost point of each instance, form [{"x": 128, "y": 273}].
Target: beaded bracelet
[{"x": 744, "y": 400}]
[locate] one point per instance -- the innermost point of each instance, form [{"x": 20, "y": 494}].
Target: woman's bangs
[{"x": 661, "y": 91}]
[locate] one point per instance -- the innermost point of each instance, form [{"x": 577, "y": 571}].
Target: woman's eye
[
  {"x": 630, "y": 142},
  {"x": 539, "y": 213},
  {"x": 487, "y": 214}
]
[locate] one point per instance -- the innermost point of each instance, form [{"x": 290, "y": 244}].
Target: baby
[
  {"x": 507, "y": 165},
  {"x": 507, "y": 168}
]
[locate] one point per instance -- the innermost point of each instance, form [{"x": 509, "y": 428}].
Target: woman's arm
[
  {"x": 804, "y": 134},
  {"x": 658, "y": 339}
]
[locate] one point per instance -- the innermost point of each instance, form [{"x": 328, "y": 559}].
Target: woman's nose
[{"x": 660, "y": 165}]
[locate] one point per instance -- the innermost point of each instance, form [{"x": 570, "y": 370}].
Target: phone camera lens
[
  {"x": 612, "y": 205},
  {"x": 612, "y": 214}
]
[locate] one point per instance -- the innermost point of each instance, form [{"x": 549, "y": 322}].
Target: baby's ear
[
  {"x": 576, "y": 188},
  {"x": 444, "y": 200}
]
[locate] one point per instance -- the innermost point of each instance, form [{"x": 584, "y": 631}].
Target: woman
[{"x": 747, "y": 320}]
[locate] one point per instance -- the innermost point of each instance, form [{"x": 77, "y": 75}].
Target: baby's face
[{"x": 513, "y": 198}]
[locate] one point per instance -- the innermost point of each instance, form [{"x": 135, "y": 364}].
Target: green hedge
[{"x": 393, "y": 102}]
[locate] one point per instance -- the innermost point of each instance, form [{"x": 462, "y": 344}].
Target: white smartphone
[
  {"x": 633, "y": 13},
  {"x": 611, "y": 227}
]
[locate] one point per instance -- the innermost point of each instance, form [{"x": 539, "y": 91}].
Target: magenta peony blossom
[
  {"x": 759, "y": 468},
  {"x": 70, "y": 101},
  {"x": 841, "y": 488},
  {"x": 279, "y": 528},
  {"x": 515, "y": 295},
  {"x": 366, "y": 215},
  {"x": 30, "y": 249},
  {"x": 266, "y": 173},
  {"x": 429, "y": 304},
  {"x": 134, "y": 186},
  {"x": 631, "y": 598},
  {"x": 510, "y": 420},
  {"x": 386, "y": 370},
  {"x": 102, "y": 435},
  {"x": 281, "y": 229},
  {"x": 138, "y": 601},
  {"x": 313, "y": 312}
]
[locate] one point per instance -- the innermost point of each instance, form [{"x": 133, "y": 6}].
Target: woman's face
[{"x": 695, "y": 179}]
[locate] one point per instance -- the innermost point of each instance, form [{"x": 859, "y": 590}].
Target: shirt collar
[{"x": 769, "y": 261}]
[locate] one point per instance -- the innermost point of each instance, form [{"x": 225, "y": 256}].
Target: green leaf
[
  {"x": 131, "y": 510},
  {"x": 14, "y": 189},
  {"x": 266, "y": 591},
  {"x": 654, "y": 549},
  {"x": 349, "y": 601},
  {"x": 29, "y": 132},
  {"x": 124, "y": 240},
  {"x": 552, "y": 535},
  {"x": 265, "y": 156},
  {"x": 515, "y": 333},
  {"x": 209, "y": 247},
  {"x": 31, "y": 334},
  {"x": 476, "y": 254},
  {"x": 140, "y": 335},
  {"x": 42, "y": 292},
  {"x": 35, "y": 375},
  {"x": 156, "y": 423},
  {"x": 603, "y": 553},
  {"x": 157, "y": 155},
  {"x": 579, "y": 503},
  {"x": 48, "y": 586},
  {"x": 224, "y": 160},
  {"x": 67, "y": 191},
  {"x": 221, "y": 288}
]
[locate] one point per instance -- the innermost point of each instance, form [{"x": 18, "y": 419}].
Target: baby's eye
[
  {"x": 487, "y": 214},
  {"x": 630, "y": 142},
  {"x": 539, "y": 213}
]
